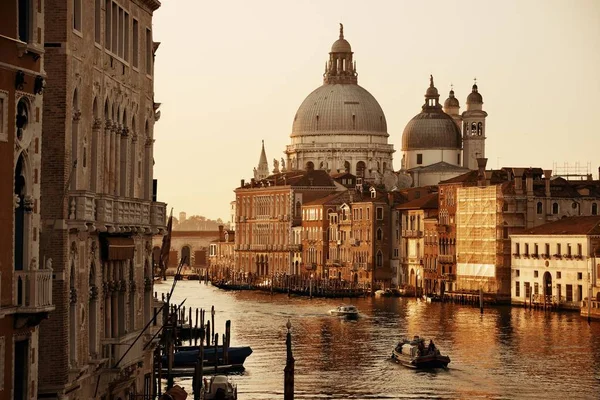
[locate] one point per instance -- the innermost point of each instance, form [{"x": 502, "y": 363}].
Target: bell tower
[{"x": 473, "y": 129}]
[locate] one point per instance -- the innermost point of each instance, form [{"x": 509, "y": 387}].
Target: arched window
[
  {"x": 594, "y": 208},
  {"x": 479, "y": 129},
  {"x": 92, "y": 314},
  {"x": 379, "y": 259},
  {"x": 346, "y": 166},
  {"x": 360, "y": 169},
  {"x": 379, "y": 234},
  {"x": 298, "y": 212},
  {"x": 185, "y": 255},
  {"x": 554, "y": 208},
  {"x": 473, "y": 128},
  {"x": 539, "y": 207},
  {"x": 22, "y": 117},
  {"x": 72, "y": 313},
  {"x": 20, "y": 229}
]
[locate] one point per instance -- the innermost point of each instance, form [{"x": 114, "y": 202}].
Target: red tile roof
[
  {"x": 428, "y": 202},
  {"x": 589, "y": 225}
]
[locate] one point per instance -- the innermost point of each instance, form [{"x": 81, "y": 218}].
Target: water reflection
[{"x": 504, "y": 353}]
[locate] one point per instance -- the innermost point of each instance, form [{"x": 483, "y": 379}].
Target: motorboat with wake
[
  {"x": 413, "y": 353},
  {"x": 347, "y": 311},
  {"x": 219, "y": 387}
]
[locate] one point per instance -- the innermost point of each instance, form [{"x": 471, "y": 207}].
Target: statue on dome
[
  {"x": 255, "y": 173},
  {"x": 282, "y": 165},
  {"x": 275, "y": 166}
]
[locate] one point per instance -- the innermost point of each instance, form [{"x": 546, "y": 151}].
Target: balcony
[
  {"x": 412, "y": 233},
  {"x": 295, "y": 247},
  {"x": 33, "y": 294},
  {"x": 110, "y": 211},
  {"x": 449, "y": 277},
  {"x": 114, "y": 348},
  {"x": 82, "y": 206},
  {"x": 158, "y": 214},
  {"x": 446, "y": 258}
]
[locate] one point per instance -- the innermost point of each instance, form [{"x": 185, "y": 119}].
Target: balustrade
[
  {"x": 89, "y": 207},
  {"x": 33, "y": 290}
]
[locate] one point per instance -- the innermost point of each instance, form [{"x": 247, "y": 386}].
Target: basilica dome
[
  {"x": 432, "y": 128},
  {"x": 339, "y": 108}
]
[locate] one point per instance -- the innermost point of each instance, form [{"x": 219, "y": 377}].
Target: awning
[{"x": 119, "y": 248}]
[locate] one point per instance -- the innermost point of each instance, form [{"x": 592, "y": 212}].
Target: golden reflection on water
[{"x": 508, "y": 353}]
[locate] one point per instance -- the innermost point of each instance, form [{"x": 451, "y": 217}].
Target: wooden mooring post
[{"x": 288, "y": 380}]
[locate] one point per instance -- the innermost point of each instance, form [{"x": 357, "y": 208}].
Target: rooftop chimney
[
  {"x": 529, "y": 184},
  {"x": 547, "y": 175},
  {"x": 481, "y": 163},
  {"x": 518, "y": 180},
  {"x": 221, "y": 234},
  {"x": 242, "y": 182}
]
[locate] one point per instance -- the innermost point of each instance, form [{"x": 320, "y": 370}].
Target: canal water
[{"x": 506, "y": 353}]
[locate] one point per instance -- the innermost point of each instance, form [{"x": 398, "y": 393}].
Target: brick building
[
  {"x": 412, "y": 241},
  {"x": 100, "y": 211},
  {"x": 320, "y": 254},
  {"x": 266, "y": 212},
  {"x": 25, "y": 279}
]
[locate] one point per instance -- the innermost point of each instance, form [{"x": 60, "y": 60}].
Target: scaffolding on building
[
  {"x": 479, "y": 234},
  {"x": 573, "y": 172}
]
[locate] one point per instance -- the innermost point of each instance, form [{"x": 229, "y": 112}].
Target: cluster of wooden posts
[{"x": 179, "y": 326}]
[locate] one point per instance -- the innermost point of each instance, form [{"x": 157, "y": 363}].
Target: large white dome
[{"x": 339, "y": 108}]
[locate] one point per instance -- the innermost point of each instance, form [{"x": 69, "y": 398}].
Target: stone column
[
  {"x": 106, "y": 164},
  {"x": 124, "y": 156},
  {"x": 117, "y": 162},
  {"x": 96, "y": 151}
]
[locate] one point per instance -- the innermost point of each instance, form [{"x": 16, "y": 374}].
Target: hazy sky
[{"x": 230, "y": 73}]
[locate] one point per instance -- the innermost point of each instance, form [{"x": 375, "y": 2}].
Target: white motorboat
[
  {"x": 348, "y": 311},
  {"x": 219, "y": 387}
]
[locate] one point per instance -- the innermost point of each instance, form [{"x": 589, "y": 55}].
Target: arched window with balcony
[{"x": 379, "y": 234}]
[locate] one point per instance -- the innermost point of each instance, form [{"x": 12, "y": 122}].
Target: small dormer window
[{"x": 373, "y": 193}]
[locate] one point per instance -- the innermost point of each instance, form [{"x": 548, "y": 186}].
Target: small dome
[
  {"x": 431, "y": 92},
  {"x": 474, "y": 97},
  {"x": 451, "y": 101},
  {"x": 341, "y": 46},
  {"x": 431, "y": 130}
]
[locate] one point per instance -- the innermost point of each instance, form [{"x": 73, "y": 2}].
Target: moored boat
[
  {"x": 187, "y": 356},
  {"x": 347, "y": 311},
  {"x": 414, "y": 354}
]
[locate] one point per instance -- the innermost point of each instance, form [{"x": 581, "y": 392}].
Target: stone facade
[
  {"x": 100, "y": 211},
  {"x": 193, "y": 245},
  {"x": 556, "y": 263},
  {"x": 221, "y": 256},
  {"x": 25, "y": 279}
]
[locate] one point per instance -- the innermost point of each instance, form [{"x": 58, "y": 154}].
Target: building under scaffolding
[{"x": 479, "y": 242}]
